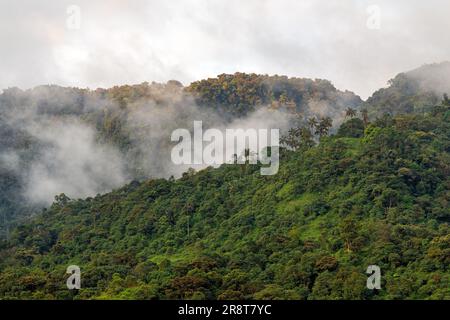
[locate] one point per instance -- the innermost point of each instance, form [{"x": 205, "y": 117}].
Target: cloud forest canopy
[
  {"x": 126, "y": 127},
  {"x": 374, "y": 192},
  {"x": 228, "y": 233},
  {"x": 56, "y": 139}
]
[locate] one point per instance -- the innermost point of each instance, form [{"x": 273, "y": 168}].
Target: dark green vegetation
[{"x": 375, "y": 193}]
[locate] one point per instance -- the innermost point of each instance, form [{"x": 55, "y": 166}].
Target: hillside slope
[
  {"x": 127, "y": 130},
  {"x": 309, "y": 232}
]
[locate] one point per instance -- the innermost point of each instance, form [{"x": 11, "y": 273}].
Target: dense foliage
[
  {"x": 122, "y": 117},
  {"x": 241, "y": 93},
  {"x": 373, "y": 195}
]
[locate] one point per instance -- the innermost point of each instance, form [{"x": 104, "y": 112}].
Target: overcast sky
[{"x": 133, "y": 41}]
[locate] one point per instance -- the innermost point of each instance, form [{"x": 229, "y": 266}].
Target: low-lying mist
[{"x": 64, "y": 141}]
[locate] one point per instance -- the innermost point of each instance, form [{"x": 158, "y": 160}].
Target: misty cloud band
[{"x": 239, "y": 146}]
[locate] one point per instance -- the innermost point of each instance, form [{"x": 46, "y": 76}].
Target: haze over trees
[
  {"x": 308, "y": 232},
  {"x": 56, "y": 139},
  {"x": 412, "y": 91},
  {"x": 372, "y": 189}
]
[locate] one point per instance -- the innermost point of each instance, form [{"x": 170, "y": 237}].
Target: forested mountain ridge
[
  {"x": 412, "y": 91},
  {"x": 241, "y": 93},
  {"x": 55, "y": 139},
  {"x": 371, "y": 194}
]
